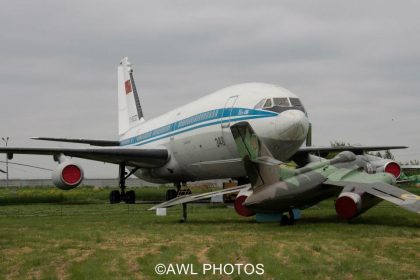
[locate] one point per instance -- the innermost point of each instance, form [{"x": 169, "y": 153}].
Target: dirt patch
[
  {"x": 17, "y": 251},
  {"x": 202, "y": 255},
  {"x": 34, "y": 274},
  {"x": 113, "y": 267},
  {"x": 73, "y": 256},
  {"x": 132, "y": 263},
  {"x": 15, "y": 254}
]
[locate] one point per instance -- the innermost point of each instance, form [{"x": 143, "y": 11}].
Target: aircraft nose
[{"x": 292, "y": 125}]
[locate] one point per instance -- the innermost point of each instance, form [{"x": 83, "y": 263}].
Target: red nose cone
[
  {"x": 394, "y": 169},
  {"x": 345, "y": 207},
  {"x": 71, "y": 174},
  {"x": 240, "y": 209}
]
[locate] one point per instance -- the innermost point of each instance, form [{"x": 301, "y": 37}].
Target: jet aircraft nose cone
[{"x": 292, "y": 125}]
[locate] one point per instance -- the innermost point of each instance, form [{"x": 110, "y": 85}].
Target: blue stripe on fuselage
[{"x": 190, "y": 123}]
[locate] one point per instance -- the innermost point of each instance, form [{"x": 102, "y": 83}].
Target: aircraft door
[
  {"x": 227, "y": 111},
  {"x": 226, "y": 140}
]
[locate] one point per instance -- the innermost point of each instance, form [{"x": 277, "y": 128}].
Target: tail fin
[
  {"x": 130, "y": 113},
  {"x": 260, "y": 165}
]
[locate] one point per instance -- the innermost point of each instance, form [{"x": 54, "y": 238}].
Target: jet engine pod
[
  {"x": 348, "y": 205},
  {"x": 238, "y": 204},
  {"x": 351, "y": 204},
  {"x": 67, "y": 175},
  {"x": 384, "y": 165},
  {"x": 393, "y": 168}
]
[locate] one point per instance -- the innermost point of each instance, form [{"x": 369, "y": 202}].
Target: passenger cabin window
[
  {"x": 268, "y": 103},
  {"x": 282, "y": 102}
]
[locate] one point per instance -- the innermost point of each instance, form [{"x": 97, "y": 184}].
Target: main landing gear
[
  {"x": 288, "y": 220},
  {"x": 171, "y": 194},
  {"x": 118, "y": 196}
]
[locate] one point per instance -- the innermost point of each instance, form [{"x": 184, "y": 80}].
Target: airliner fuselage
[{"x": 198, "y": 134}]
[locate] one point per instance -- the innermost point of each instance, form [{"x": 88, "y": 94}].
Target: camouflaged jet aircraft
[{"x": 359, "y": 182}]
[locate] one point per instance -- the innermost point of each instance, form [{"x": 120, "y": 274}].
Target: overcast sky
[{"x": 355, "y": 65}]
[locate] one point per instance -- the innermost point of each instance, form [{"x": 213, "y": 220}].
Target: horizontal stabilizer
[{"x": 92, "y": 142}]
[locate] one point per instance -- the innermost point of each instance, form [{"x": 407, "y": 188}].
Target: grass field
[{"x": 77, "y": 237}]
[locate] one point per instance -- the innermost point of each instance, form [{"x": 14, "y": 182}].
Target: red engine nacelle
[
  {"x": 240, "y": 208},
  {"x": 68, "y": 175},
  {"x": 377, "y": 164},
  {"x": 351, "y": 204},
  {"x": 393, "y": 168}
]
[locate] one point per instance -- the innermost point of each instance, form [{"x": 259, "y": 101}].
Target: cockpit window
[
  {"x": 260, "y": 104},
  {"x": 282, "y": 102},
  {"x": 268, "y": 103},
  {"x": 295, "y": 102}
]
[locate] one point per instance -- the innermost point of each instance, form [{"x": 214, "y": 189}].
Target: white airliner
[{"x": 193, "y": 142}]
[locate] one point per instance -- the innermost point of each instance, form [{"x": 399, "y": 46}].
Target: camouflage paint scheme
[{"x": 279, "y": 189}]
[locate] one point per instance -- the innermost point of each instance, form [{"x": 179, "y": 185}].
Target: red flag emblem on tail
[{"x": 128, "y": 88}]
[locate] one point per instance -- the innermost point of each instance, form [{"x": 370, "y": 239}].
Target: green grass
[
  {"x": 85, "y": 194},
  {"x": 102, "y": 241}
]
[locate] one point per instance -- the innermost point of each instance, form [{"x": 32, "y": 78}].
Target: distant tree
[
  {"x": 339, "y": 144},
  {"x": 377, "y": 154},
  {"x": 336, "y": 144},
  {"x": 411, "y": 162},
  {"x": 388, "y": 155}
]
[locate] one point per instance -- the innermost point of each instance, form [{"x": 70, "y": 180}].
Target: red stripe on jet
[{"x": 128, "y": 87}]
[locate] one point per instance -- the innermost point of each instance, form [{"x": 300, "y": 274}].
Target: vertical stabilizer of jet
[
  {"x": 262, "y": 169},
  {"x": 130, "y": 113}
]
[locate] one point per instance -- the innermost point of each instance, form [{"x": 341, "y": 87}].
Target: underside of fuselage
[{"x": 300, "y": 200}]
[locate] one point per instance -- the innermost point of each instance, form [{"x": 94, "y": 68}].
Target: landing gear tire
[
  {"x": 130, "y": 197},
  {"x": 114, "y": 197},
  {"x": 291, "y": 217},
  {"x": 171, "y": 194},
  {"x": 284, "y": 220},
  {"x": 288, "y": 220}
]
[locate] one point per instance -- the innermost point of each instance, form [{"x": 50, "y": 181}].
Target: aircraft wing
[
  {"x": 395, "y": 195},
  {"x": 301, "y": 157},
  {"x": 131, "y": 156},
  {"x": 355, "y": 149},
  {"x": 194, "y": 197},
  {"x": 92, "y": 142},
  {"x": 410, "y": 167}
]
